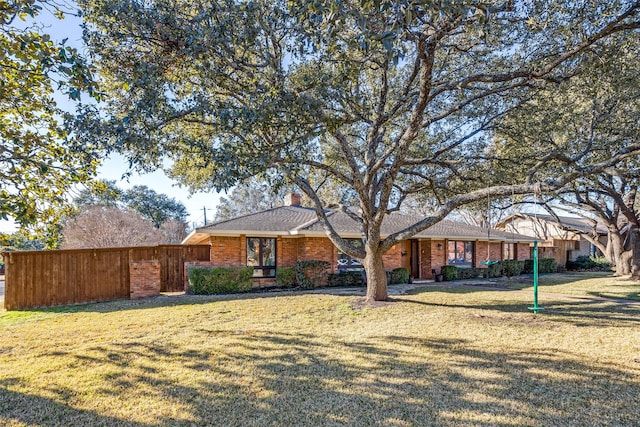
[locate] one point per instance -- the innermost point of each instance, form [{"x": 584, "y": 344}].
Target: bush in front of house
[
  {"x": 311, "y": 274},
  {"x": 399, "y": 275},
  {"x": 493, "y": 270},
  {"x": 346, "y": 278},
  {"x": 545, "y": 265},
  {"x": 219, "y": 280},
  {"x": 449, "y": 272},
  {"x": 286, "y": 276},
  {"x": 511, "y": 267},
  {"x": 589, "y": 263},
  {"x": 471, "y": 273}
]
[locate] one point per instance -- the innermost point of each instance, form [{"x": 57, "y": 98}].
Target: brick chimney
[{"x": 292, "y": 199}]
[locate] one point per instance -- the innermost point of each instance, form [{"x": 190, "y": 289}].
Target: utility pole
[{"x": 204, "y": 211}]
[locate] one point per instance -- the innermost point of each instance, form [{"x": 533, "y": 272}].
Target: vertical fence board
[{"x": 48, "y": 278}]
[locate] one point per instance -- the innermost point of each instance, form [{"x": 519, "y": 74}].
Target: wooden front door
[{"x": 414, "y": 259}]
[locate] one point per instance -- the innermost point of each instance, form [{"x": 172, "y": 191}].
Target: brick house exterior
[
  {"x": 561, "y": 238},
  {"x": 296, "y": 235}
]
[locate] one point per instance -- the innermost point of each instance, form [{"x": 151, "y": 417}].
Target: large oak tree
[
  {"x": 594, "y": 115},
  {"x": 38, "y": 165},
  {"x": 387, "y": 99}
]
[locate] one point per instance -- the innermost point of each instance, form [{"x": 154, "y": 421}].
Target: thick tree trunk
[
  {"x": 376, "y": 277},
  {"x": 634, "y": 239},
  {"x": 618, "y": 258}
]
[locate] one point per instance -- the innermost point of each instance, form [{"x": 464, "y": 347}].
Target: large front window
[
  {"x": 509, "y": 251},
  {"x": 460, "y": 253},
  {"x": 345, "y": 262},
  {"x": 261, "y": 255}
]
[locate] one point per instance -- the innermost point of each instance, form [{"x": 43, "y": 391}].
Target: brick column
[{"x": 144, "y": 279}]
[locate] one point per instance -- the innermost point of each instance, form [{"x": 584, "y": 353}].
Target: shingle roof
[
  {"x": 397, "y": 222},
  {"x": 283, "y": 218},
  {"x": 575, "y": 223},
  {"x": 300, "y": 220}
]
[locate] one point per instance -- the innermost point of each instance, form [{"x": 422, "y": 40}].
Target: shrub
[
  {"x": 511, "y": 267},
  {"x": 470, "y": 273},
  {"x": 286, "y": 276},
  {"x": 449, "y": 272},
  {"x": 346, "y": 278},
  {"x": 545, "y": 265},
  {"x": 589, "y": 263},
  {"x": 399, "y": 275},
  {"x": 219, "y": 280},
  {"x": 311, "y": 274},
  {"x": 493, "y": 270}
]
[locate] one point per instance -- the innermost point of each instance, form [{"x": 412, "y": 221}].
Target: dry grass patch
[{"x": 433, "y": 358}]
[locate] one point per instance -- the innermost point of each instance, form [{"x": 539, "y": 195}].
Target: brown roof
[
  {"x": 297, "y": 220},
  {"x": 573, "y": 223}
]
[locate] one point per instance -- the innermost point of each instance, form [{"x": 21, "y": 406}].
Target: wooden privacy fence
[{"x": 48, "y": 278}]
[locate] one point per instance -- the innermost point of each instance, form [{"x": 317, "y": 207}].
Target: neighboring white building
[{"x": 564, "y": 241}]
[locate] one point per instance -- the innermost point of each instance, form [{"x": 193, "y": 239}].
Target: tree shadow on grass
[
  {"x": 31, "y": 409},
  {"x": 579, "y": 311},
  {"x": 270, "y": 378}
]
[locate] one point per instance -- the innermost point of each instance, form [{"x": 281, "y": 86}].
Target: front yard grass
[{"x": 437, "y": 357}]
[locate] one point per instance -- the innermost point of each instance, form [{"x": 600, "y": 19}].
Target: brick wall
[
  {"x": 524, "y": 251},
  {"x": 144, "y": 279},
  {"x": 393, "y": 257},
  {"x": 318, "y": 248},
  {"x": 494, "y": 249},
  {"x": 228, "y": 251},
  {"x": 438, "y": 257},
  {"x": 287, "y": 250}
]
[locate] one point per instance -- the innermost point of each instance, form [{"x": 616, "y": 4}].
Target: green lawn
[{"x": 439, "y": 357}]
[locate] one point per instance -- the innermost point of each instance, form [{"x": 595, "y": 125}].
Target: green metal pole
[{"x": 535, "y": 307}]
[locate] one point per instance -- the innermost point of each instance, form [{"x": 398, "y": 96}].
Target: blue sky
[{"x": 116, "y": 166}]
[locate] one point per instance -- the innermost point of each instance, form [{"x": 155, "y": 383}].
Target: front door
[{"x": 415, "y": 259}]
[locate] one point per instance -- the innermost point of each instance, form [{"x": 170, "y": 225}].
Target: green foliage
[
  {"x": 545, "y": 265},
  {"x": 398, "y": 276},
  {"x": 311, "y": 274},
  {"x": 471, "y": 273},
  {"x": 511, "y": 267},
  {"x": 589, "y": 263},
  {"x": 390, "y": 99},
  {"x": 38, "y": 161},
  {"x": 219, "y": 280},
  {"x": 493, "y": 270},
  {"x": 346, "y": 278},
  {"x": 156, "y": 207},
  {"x": 286, "y": 276},
  {"x": 21, "y": 240},
  {"x": 449, "y": 272}
]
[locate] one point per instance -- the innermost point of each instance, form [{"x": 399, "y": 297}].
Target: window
[
  {"x": 345, "y": 262},
  {"x": 460, "y": 253},
  {"x": 509, "y": 251},
  {"x": 261, "y": 255}
]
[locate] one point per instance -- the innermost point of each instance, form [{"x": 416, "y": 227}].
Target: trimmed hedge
[
  {"x": 311, "y": 274},
  {"x": 286, "y": 276},
  {"x": 511, "y": 267},
  {"x": 398, "y": 276},
  {"x": 219, "y": 280},
  {"x": 589, "y": 263},
  {"x": 493, "y": 270},
  {"x": 449, "y": 272},
  {"x": 545, "y": 265},
  {"x": 346, "y": 278},
  {"x": 502, "y": 268}
]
